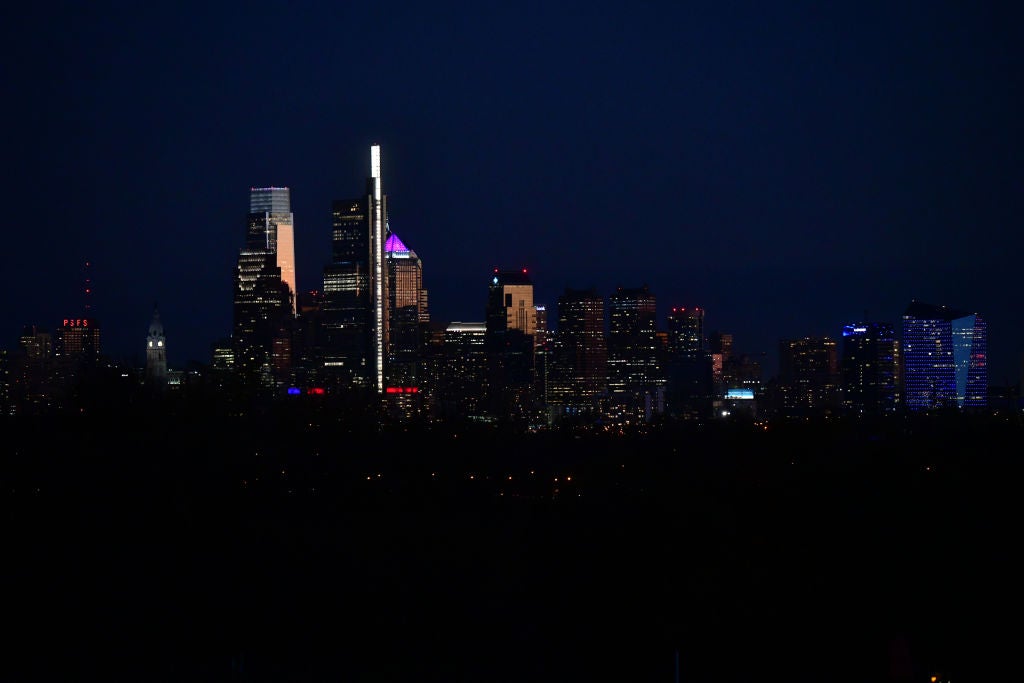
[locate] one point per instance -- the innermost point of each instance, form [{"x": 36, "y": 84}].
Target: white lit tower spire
[{"x": 379, "y": 273}]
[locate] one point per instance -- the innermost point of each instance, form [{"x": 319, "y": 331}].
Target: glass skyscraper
[
  {"x": 635, "y": 379},
  {"x": 272, "y": 226},
  {"x": 264, "y": 301},
  {"x": 355, "y": 301},
  {"x": 578, "y": 378},
  {"x": 407, "y": 305},
  {"x": 945, "y": 356}
]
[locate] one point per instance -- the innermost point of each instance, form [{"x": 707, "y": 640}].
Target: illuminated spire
[
  {"x": 394, "y": 244},
  {"x": 379, "y": 290}
]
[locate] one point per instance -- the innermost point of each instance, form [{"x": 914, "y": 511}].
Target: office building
[
  {"x": 510, "y": 303},
  {"x": 272, "y": 226},
  {"x": 263, "y": 302},
  {"x": 78, "y": 338},
  {"x": 945, "y": 358},
  {"x": 542, "y": 343},
  {"x": 689, "y": 367},
  {"x": 578, "y": 371},
  {"x": 511, "y": 323},
  {"x": 870, "y": 366},
  {"x": 686, "y": 330},
  {"x": 35, "y": 342},
  {"x": 459, "y": 370},
  {"x": 407, "y": 309},
  {"x": 33, "y": 378},
  {"x": 636, "y": 385},
  {"x": 720, "y": 347},
  {"x": 809, "y": 377},
  {"x": 355, "y": 292}
]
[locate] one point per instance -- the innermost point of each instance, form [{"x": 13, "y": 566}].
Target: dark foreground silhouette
[{"x": 192, "y": 549}]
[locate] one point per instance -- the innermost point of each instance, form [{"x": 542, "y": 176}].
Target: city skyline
[
  {"x": 119, "y": 350},
  {"x": 790, "y": 170}
]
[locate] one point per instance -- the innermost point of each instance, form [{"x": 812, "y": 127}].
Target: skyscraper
[
  {"x": 870, "y": 366},
  {"x": 945, "y": 357},
  {"x": 635, "y": 380},
  {"x": 459, "y": 380},
  {"x": 79, "y": 336},
  {"x": 510, "y": 303},
  {"x": 263, "y": 302},
  {"x": 578, "y": 376},
  {"x": 686, "y": 330},
  {"x": 809, "y": 377},
  {"x": 511, "y": 325},
  {"x": 690, "y": 376},
  {"x": 272, "y": 223},
  {"x": 355, "y": 301},
  {"x": 407, "y": 306}
]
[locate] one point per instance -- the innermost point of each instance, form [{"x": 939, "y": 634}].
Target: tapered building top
[{"x": 156, "y": 327}]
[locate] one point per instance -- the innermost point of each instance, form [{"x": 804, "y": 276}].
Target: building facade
[
  {"x": 354, "y": 308},
  {"x": 636, "y": 383},
  {"x": 945, "y": 358},
  {"x": 407, "y": 310},
  {"x": 870, "y": 366},
  {"x": 271, "y": 222},
  {"x": 577, "y": 385},
  {"x": 156, "y": 354},
  {"x": 262, "y": 313},
  {"x": 689, "y": 368},
  {"x": 809, "y": 378},
  {"x": 511, "y": 325}
]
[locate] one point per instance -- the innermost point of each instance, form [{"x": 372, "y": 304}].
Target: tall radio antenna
[{"x": 87, "y": 286}]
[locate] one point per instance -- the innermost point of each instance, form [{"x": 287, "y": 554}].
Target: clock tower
[{"x": 156, "y": 354}]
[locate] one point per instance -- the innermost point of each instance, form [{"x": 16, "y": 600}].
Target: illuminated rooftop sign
[{"x": 741, "y": 394}]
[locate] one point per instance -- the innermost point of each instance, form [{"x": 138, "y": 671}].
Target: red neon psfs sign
[
  {"x": 402, "y": 390},
  {"x": 76, "y": 322}
]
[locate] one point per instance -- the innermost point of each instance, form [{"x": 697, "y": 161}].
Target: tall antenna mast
[{"x": 87, "y": 286}]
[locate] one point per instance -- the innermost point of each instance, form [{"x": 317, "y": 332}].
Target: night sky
[{"x": 788, "y": 167}]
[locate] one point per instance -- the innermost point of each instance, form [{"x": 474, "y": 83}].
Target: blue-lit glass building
[{"x": 945, "y": 356}]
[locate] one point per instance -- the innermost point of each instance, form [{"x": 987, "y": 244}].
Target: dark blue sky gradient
[{"x": 789, "y": 167}]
